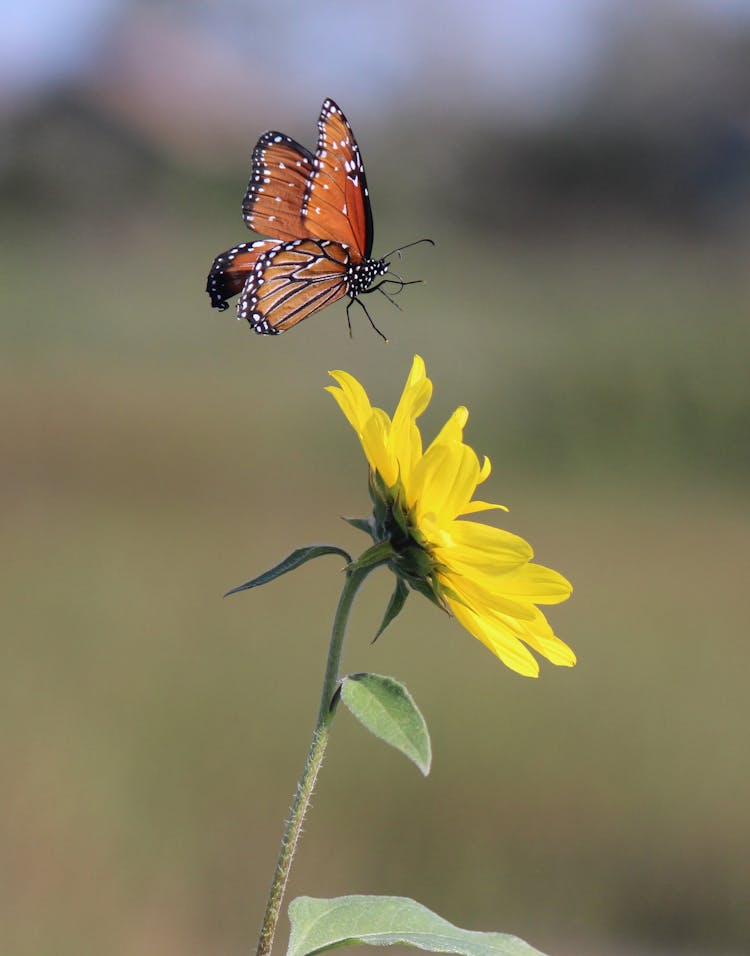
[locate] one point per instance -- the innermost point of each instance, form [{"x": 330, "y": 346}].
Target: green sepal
[
  {"x": 399, "y": 516},
  {"x": 427, "y": 589},
  {"x": 379, "y": 491},
  {"x": 396, "y": 603},
  {"x": 318, "y": 925},
  {"x": 381, "y": 498},
  {"x": 292, "y": 562},
  {"x": 378, "y": 554},
  {"x": 415, "y": 562},
  {"x": 387, "y": 709},
  {"x": 361, "y": 524}
]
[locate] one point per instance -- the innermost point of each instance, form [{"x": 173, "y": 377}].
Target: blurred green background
[{"x": 584, "y": 169}]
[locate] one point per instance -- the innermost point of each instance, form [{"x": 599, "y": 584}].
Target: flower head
[{"x": 481, "y": 574}]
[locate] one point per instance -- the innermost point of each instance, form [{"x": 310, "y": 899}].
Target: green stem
[{"x": 313, "y": 763}]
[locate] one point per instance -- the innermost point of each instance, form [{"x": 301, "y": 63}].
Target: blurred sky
[{"x": 530, "y": 58}]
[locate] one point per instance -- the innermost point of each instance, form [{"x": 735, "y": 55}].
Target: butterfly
[{"x": 317, "y": 209}]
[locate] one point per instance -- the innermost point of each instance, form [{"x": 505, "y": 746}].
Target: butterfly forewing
[
  {"x": 290, "y": 282},
  {"x": 275, "y": 194},
  {"x": 230, "y": 270},
  {"x": 336, "y": 203}
]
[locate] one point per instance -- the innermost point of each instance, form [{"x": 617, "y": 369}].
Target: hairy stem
[{"x": 313, "y": 763}]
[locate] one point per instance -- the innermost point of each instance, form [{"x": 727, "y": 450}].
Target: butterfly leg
[
  {"x": 395, "y": 279},
  {"x": 397, "y": 282},
  {"x": 390, "y": 298},
  {"x": 369, "y": 317}
]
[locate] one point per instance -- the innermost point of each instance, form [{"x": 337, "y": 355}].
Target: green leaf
[
  {"x": 387, "y": 709},
  {"x": 296, "y": 559},
  {"x": 396, "y": 603},
  {"x": 318, "y": 925}
]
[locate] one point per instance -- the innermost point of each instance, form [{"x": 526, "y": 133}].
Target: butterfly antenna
[{"x": 407, "y": 246}]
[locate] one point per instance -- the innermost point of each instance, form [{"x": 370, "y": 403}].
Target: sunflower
[{"x": 482, "y": 575}]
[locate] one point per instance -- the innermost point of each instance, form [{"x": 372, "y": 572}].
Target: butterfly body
[
  {"x": 361, "y": 275},
  {"x": 317, "y": 209}
]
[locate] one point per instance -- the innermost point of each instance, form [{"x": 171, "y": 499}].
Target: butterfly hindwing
[
  {"x": 230, "y": 270},
  {"x": 290, "y": 282},
  {"x": 275, "y": 194}
]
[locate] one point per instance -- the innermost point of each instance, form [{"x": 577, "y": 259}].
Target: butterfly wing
[
  {"x": 318, "y": 206},
  {"x": 230, "y": 270},
  {"x": 275, "y": 194},
  {"x": 336, "y": 202},
  {"x": 290, "y": 282}
]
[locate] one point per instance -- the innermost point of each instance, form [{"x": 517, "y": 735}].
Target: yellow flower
[{"x": 483, "y": 575}]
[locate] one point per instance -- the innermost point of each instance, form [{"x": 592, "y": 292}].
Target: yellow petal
[
  {"x": 475, "y": 595},
  {"x": 405, "y": 436},
  {"x": 453, "y": 429},
  {"x": 421, "y": 487},
  {"x": 500, "y": 640},
  {"x": 352, "y": 399},
  {"x": 474, "y": 506},
  {"x": 416, "y": 394},
  {"x": 483, "y": 545},
  {"x": 375, "y": 437},
  {"x": 445, "y": 480},
  {"x": 488, "y": 575},
  {"x": 531, "y": 582},
  {"x": 539, "y": 635},
  {"x": 406, "y": 447},
  {"x": 484, "y": 474},
  {"x": 461, "y": 484}
]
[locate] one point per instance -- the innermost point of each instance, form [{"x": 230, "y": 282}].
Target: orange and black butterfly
[{"x": 317, "y": 208}]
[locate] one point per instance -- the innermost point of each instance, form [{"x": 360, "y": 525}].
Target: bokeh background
[{"x": 584, "y": 168}]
